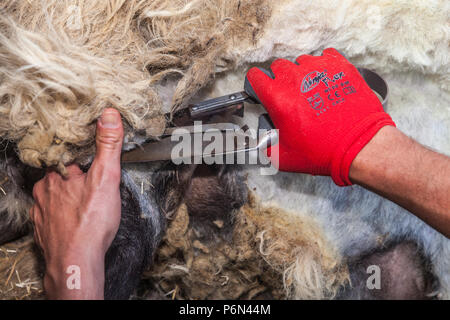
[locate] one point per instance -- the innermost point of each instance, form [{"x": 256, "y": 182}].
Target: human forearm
[{"x": 416, "y": 178}]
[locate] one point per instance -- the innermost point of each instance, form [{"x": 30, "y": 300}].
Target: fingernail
[{"x": 110, "y": 119}]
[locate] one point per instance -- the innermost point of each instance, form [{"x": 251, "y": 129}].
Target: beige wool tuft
[{"x": 63, "y": 62}]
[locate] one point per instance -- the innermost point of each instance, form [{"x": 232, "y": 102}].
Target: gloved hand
[{"x": 324, "y": 110}]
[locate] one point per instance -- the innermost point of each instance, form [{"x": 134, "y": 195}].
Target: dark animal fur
[
  {"x": 141, "y": 228},
  {"x": 171, "y": 183},
  {"x": 214, "y": 193},
  {"x": 404, "y": 275},
  {"x": 17, "y": 188},
  {"x": 10, "y": 231}
]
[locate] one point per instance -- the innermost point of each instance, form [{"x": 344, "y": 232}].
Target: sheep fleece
[{"x": 62, "y": 63}]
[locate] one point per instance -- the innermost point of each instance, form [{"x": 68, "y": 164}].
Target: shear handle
[{"x": 218, "y": 105}]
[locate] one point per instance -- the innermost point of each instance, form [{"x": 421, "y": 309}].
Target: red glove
[{"x": 324, "y": 110}]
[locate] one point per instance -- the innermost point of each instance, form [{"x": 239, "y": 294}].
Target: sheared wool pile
[
  {"x": 271, "y": 254},
  {"x": 63, "y": 62},
  {"x": 21, "y": 271}
]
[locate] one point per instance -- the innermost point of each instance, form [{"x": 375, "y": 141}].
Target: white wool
[{"x": 391, "y": 35}]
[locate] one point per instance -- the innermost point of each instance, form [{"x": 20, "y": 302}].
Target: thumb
[{"x": 109, "y": 139}]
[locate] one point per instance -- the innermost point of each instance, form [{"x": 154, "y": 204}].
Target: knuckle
[
  {"x": 304, "y": 57},
  {"x": 53, "y": 180},
  {"x": 281, "y": 61},
  {"x": 109, "y": 138},
  {"x": 37, "y": 189},
  {"x": 276, "y": 62}
]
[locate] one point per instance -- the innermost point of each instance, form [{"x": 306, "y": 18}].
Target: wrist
[
  {"x": 79, "y": 274},
  {"x": 351, "y": 145},
  {"x": 369, "y": 161}
]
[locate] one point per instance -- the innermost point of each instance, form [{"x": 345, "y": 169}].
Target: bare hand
[{"x": 77, "y": 217}]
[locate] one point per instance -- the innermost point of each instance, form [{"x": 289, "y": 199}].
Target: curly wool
[{"x": 62, "y": 63}]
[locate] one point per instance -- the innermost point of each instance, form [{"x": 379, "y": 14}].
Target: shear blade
[{"x": 191, "y": 146}]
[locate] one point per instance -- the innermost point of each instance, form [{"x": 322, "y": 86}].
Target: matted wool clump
[
  {"x": 271, "y": 254},
  {"x": 63, "y": 62}
]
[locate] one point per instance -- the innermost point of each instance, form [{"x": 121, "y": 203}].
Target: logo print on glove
[
  {"x": 316, "y": 102},
  {"x": 312, "y": 79}
]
